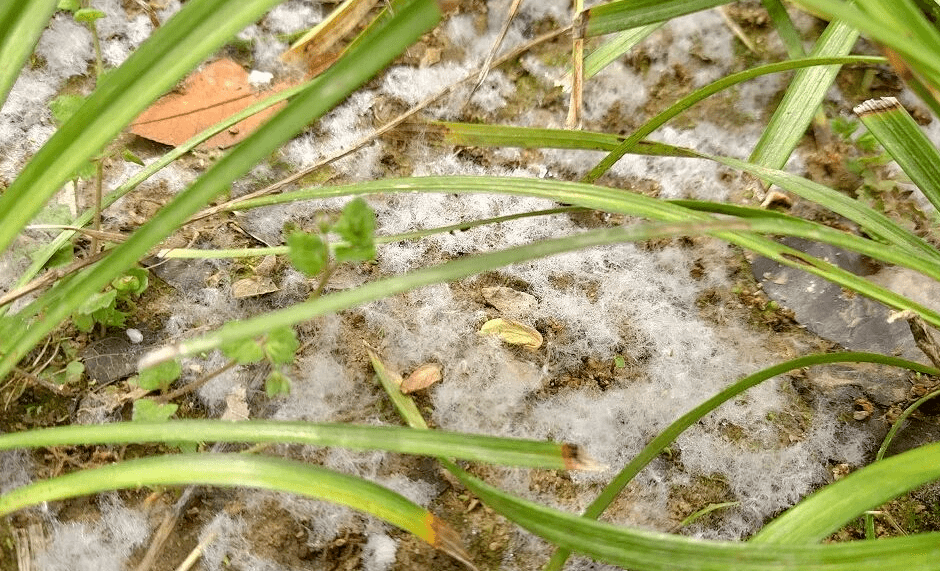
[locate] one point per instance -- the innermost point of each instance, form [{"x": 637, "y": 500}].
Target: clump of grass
[{"x": 202, "y": 26}]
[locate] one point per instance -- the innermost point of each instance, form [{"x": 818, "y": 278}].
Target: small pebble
[{"x": 135, "y": 335}]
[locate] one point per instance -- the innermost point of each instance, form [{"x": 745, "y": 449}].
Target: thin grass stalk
[
  {"x": 614, "y": 48},
  {"x": 188, "y": 253},
  {"x": 509, "y": 451},
  {"x": 698, "y": 95},
  {"x": 883, "y": 449},
  {"x": 627, "y": 14},
  {"x": 802, "y": 98}
]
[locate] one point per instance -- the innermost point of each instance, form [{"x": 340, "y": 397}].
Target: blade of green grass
[
  {"x": 614, "y": 48},
  {"x": 21, "y": 24},
  {"x": 827, "y": 510},
  {"x": 643, "y": 550},
  {"x": 627, "y": 14},
  {"x": 509, "y": 451},
  {"x": 802, "y": 98},
  {"x": 897, "y": 132},
  {"x": 758, "y": 220},
  {"x": 785, "y": 28},
  {"x": 903, "y": 15},
  {"x": 197, "y": 30},
  {"x": 669, "y": 435},
  {"x": 895, "y": 427},
  {"x": 391, "y": 382},
  {"x": 239, "y": 470},
  {"x": 870, "y": 220},
  {"x": 384, "y": 42},
  {"x": 608, "y": 200}
]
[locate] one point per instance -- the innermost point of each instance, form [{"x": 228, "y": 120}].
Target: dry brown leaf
[
  {"x": 236, "y": 404},
  {"x": 252, "y": 287},
  {"x": 422, "y": 378},
  {"x": 208, "y": 96},
  {"x": 508, "y": 300},
  {"x": 513, "y": 332}
]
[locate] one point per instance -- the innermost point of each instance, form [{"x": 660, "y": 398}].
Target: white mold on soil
[{"x": 595, "y": 305}]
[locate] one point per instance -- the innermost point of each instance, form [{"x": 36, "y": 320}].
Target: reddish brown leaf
[{"x": 208, "y": 96}]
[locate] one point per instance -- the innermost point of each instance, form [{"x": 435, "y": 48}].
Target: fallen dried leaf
[
  {"x": 208, "y": 96},
  {"x": 508, "y": 300},
  {"x": 236, "y": 404},
  {"x": 252, "y": 287},
  {"x": 513, "y": 332},
  {"x": 422, "y": 378}
]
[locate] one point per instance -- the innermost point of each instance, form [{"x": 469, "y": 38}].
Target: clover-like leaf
[
  {"x": 134, "y": 281},
  {"x": 64, "y": 106},
  {"x": 277, "y": 383},
  {"x": 307, "y": 252},
  {"x": 159, "y": 376},
  {"x": 357, "y": 227},
  {"x": 148, "y": 410},
  {"x": 280, "y": 345},
  {"x": 243, "y": 351}
]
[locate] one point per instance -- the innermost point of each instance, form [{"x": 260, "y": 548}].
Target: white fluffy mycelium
[{"x": 628, "y": 301}]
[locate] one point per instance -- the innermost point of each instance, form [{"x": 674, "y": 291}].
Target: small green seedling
[
  {"x": 310, "y": 254},
  {"x": 159, "y": 377},
  {"x": 111, "y": 307},
  {"x": 149, "y": 410},
  {"x": 357, "y": 227},
  {"x": 277, "y": 347}
]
